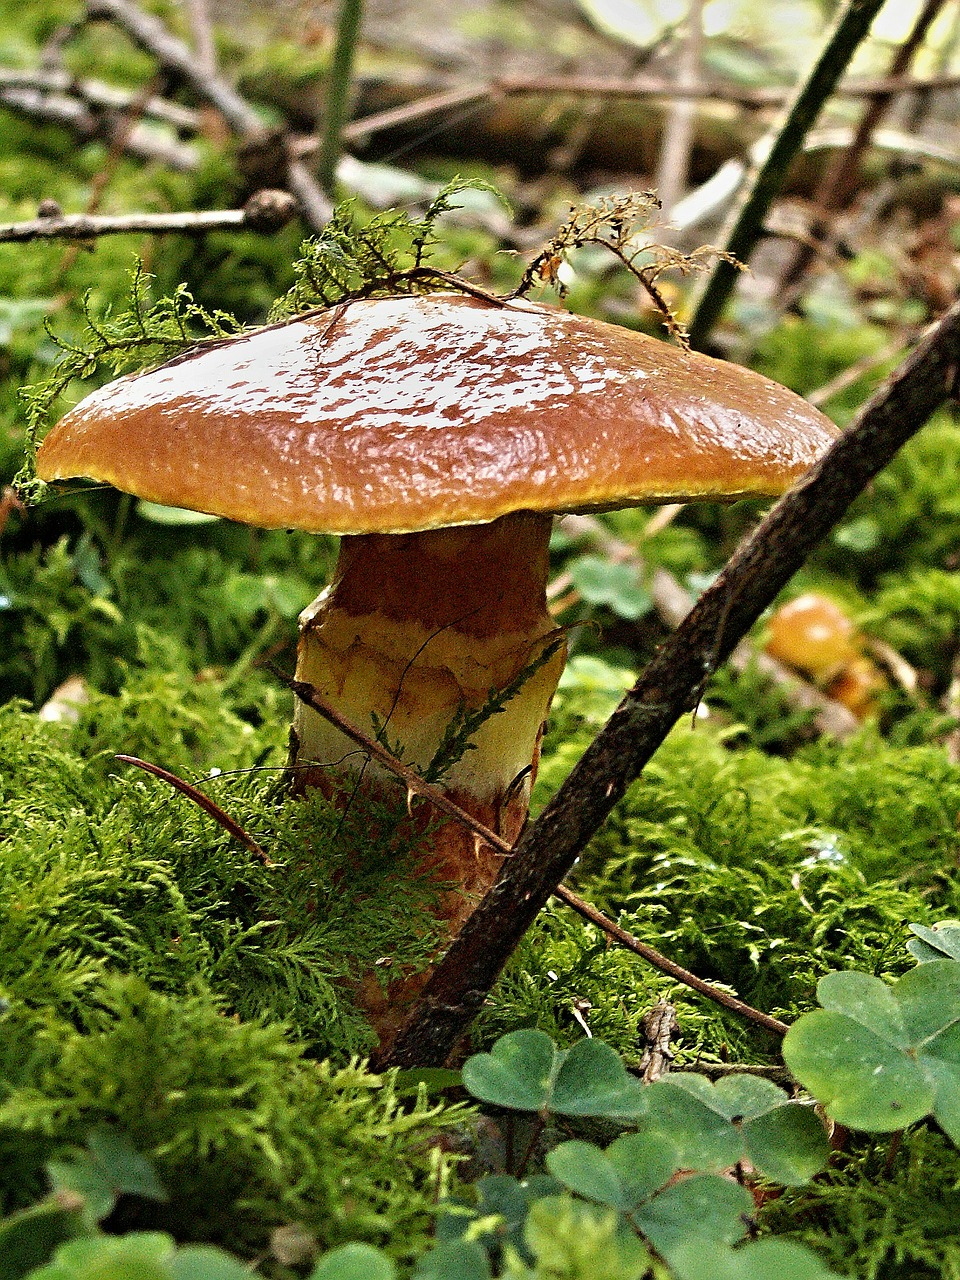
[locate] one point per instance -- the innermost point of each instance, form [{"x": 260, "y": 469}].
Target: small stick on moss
[
  {"x": 205, "y": 803},
  {"x": 659, "y": 1024},
  {"x": 416, "y": 785},
  {"x": 266, "y": 212}
]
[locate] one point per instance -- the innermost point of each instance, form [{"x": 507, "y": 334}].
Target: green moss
[
  {"x": 757, "y": 872},
  {"x": 881, "y": 1213},
  {"x": 105, "y": 870},
  {"x": 245, "y": 1133}
]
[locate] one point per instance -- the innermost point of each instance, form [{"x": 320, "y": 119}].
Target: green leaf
[
  {"x": 455, "y": 1260},
  {"x": 704, "y": 1138},
  {"x": 354, "y": 1262},
  {"x": 789, "y": 1144},
  {"x": 765, "y": 1260},
  {"x": 110, "y": 1167},
  {"x": 881, "y": 1058},
  {"x": 526, "y": 1072},
  {"x": 736, "y": 1097},
  {"x": 867, "y": 1000},
  {"x": 862, "y": 1080},
  {"x": 138, "y": 1256},
  {"x": 29, "y": 1238},
  {"x": 930, "y": 998},
  {"x": 942, "y": 941},
  {"x": 605, "y": 582},
  {"x": 518, "y": 1072},
  {"x": 592, "y": 1081},
  {"x": 628, "y": 1172},
  {"x": 205, "y": 1262},
  {"x": 129, "y": 1172},
  {"x": 706, "y": 1206}
]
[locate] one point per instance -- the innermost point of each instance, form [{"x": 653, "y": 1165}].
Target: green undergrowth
[
  {"x": 753, "y": 870},
  {"x": 886, "y": 1209},
  {"x": 103, "y": 869},
  {"x": 246, "y": 1134}
]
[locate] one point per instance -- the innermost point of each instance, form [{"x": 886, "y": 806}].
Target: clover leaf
[
  {"x": 882, "y": 1057},
  {"x": 525, "y": 1071}
]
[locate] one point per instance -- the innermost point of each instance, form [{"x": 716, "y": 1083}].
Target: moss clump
[
  {"x": 881, "y": 1213},
  {"x": 245, "y": 1133},
  {"x": 757, "y": 872},
  {"x": 108, "y": 873}
]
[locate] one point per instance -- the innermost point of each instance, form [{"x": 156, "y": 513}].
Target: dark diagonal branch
[
  {"x": 670, "y": 686},
  {"x": 746, "y": 224}
]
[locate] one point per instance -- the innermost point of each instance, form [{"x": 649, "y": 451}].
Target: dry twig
[
  {"x": 205, "y": 803},
  {"x": 266, "y": 211}
]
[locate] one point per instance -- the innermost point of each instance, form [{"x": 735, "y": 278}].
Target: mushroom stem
[{"x": 415, "y": 630}]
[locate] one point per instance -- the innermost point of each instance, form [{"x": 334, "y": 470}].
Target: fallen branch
[
  {"x": 88, "y": 122},
  {"x": 149, "y": 34},
  {"x": 265, "y": 211},
  {"x": 671, "y": 686},
  {"x": 177, "y": 59},
  {"x": 97, "y": 94},
  {"x": 628, "y": 89}
]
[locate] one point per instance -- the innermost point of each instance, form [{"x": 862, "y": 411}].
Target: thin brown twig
[
  {"x": 633, "y": 87},
  {"x": 416, "y": 786},
  {"x": 204, "y": 802},
  {"x": 666, "y": 965}
]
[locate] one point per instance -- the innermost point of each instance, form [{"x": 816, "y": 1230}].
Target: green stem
[
  {"x": 746, "y": 228},
  {"x": 338, "y": 93}
]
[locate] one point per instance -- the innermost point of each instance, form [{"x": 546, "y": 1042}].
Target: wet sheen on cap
[{"x": 411, "y": 413}]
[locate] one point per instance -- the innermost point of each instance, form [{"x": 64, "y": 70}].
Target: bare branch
[
  {"x": 266, "y": 212},
  {"x": 87, "y": 122},
  {"x": 417, "y": 786},
  {"x": 149, "y": 34},
  {"x": 632, "y": 88},
  {"x": 97, "y": 94}
]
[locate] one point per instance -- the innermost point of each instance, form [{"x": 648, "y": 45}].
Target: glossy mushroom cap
[{"x": 412, "y": 413}]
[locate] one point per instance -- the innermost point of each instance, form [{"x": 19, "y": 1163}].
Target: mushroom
[{"x": 438, "y": 435}]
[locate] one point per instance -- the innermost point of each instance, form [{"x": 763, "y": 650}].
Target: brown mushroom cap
[{"x": 411, "y": 413}]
